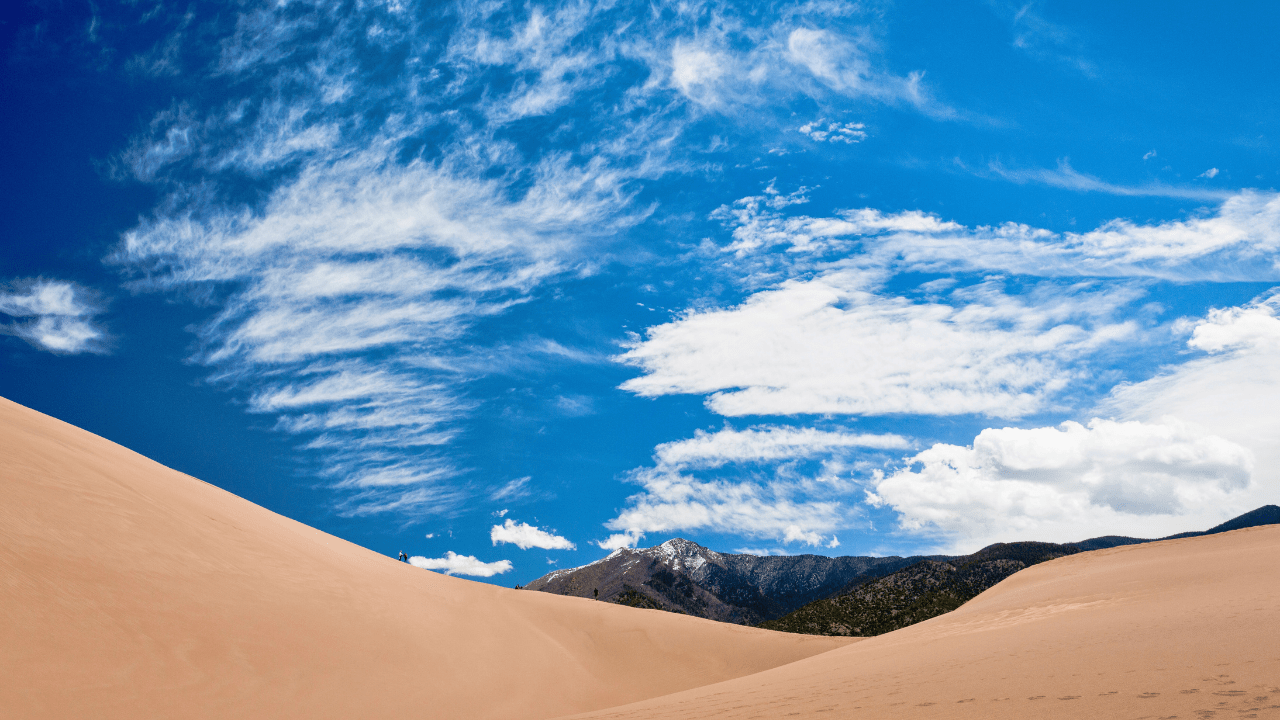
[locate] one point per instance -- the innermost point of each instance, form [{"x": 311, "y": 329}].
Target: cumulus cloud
[
  {"x": 1249, "y": 328},
  {"x": 525, "y": 536},
  {"x": 1230, "y": 387},
  {"x": 455, "y": 564},
  {"x": 621, "y": 540},
  {"x": 828, "y": 346},
  {"x": 1210, "y": 173},
  {"x": 794, "y": 533},
  {"x": 1066, "y": 483},
  {"x": 53, "y": 315},
  {"x": 826, "y": 337}
]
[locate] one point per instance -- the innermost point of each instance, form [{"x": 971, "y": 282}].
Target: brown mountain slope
[
  {"x": 916, "y": 593},
  {"x": 1185, "y": 628},
  {"x": 682, "y": 576},
  {"x": 129, "y": 590}
]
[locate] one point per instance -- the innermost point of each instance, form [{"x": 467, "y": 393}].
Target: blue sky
[{"x": 506, "y": 287}]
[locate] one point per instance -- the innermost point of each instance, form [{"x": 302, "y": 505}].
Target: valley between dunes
[{"x": 130, "y": 590}]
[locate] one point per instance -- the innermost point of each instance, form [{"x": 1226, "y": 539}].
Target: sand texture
[
  {"x": 129, "y": 590},
  {"x": 1175, "y": 629}
]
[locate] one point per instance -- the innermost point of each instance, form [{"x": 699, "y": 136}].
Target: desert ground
[
  {"x": 134, "y": 591},
  {"x": 131, "y": 590},
  {"x": 1175, "y": 629}
]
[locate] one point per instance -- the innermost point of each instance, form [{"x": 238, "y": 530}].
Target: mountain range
[{"x": 814, "y": 594}]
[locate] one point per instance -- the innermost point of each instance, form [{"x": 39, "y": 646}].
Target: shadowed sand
[
  {"x": 129, "y": 590},
  {"x": 1175, "y": 629}
]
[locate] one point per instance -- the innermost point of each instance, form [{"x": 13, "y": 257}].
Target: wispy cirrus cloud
[
  {"x": 1044, "y": 39},
  {"x": 1068, "y": 178},
  {"x": 1237, "y": 240},
  {"x": 764, "y": 494},
  {"x": 766, "y": 443},
  {"x": 362, "y": 195},
  {"x": 53, "y": 315},
  {"x": 343, "y": 294}
]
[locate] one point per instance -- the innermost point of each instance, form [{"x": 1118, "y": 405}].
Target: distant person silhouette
[{"x": 404, "y": 557}]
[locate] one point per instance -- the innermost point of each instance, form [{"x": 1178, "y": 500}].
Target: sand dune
[
  {"x": 130, "y": 590},
  {"x": 1181, "y": 628}
]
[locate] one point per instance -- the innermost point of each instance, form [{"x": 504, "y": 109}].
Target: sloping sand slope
[
  {"x": 1182, "y": 628},
  {"x": 128, "y": 590}
]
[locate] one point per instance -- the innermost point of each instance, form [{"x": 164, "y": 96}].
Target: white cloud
[
  {"x": 697, "y": 71},
  {"x": 763, "y": 552},
  {"x": 1043, "y": 39},
  {"x": 843, "y": 63},
  {"x": 1239, "y": 240},
  {"x": 620, "y": 540},
  {"x": 349, "y": 289},
  {"x": 545, "y": 51},
  {"x": 1149, "y": 155},
  {"x": 360, "y": 253},
  {"x": 1069, "y": 178},
  {"x": 455, "y": 564},
  {"x": 757, "y": 225},
  {"x": 847, "y": 133},
  {"x": 512, "y": 490},
  {"x": 828, "y": 346},
  {"x": 673, "y": 501},
  {"x": 1252, "y": 327},
  {"x": 525, "y": 536},
  {"x": 765, "y": 443},
  {"x": 1210, "y": 173},
  {"x": 1231, "y": 391},
  {"x": 783, "y": 504},
  {"x": 793, "y": 533},
  {"x": 1066, "y": 483},
  {"x": 53, "y": 315}
]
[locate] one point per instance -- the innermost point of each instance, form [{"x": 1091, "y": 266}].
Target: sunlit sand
[{"x": 134, "y": 591}]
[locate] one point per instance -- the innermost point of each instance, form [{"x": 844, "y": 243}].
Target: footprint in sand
[
  {"x": 1148, "y": 695},
  {"x": 1037, "y": 697},
  {"x": 1069, "y": 697},
  {"x": 1192, "y": 691}
]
